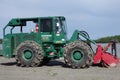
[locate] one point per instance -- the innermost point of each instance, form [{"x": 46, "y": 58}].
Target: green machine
[{"x": 45, "y": 38}]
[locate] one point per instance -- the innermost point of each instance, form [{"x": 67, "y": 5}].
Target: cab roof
[{"x": 22, "y": 21}]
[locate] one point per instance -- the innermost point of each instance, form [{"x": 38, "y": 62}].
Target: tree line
[{"x": 108, "y": 39}]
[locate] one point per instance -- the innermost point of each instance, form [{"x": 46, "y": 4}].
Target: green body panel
[
  {"x": 51, "y": 42},
  {"x": 74, "y": 36},
  {"x": 51, "y": 39},
  {"x": 10, "y": 42},
  {"x": 7, "y": 45}
]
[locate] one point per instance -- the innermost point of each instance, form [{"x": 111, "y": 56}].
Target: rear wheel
[
  {"x": 78, "y": 55},
  {"x": 29, "y": 53}
]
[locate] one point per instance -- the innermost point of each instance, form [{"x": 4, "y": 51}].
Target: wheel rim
[
  {"x": 77, "y": 55},
  {"x": 28, "y": 55}
]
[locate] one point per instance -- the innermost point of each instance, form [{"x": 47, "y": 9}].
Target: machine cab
[
  {"x": 53, "y": 29},
  {"x": 60, "y": 30}
]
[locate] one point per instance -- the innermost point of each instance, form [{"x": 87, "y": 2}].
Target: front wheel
[
  {"x": 78, "y": 55},
  {"x": 29, "y": 53}
]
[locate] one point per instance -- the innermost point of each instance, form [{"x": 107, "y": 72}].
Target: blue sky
[{"x": 99, "y": 18}]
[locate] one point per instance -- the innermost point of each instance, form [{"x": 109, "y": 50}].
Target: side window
[
  {"x": 46, "y": 25},
  {"x": 29, "y": 27},
  {"x": 63, "y": 23}
]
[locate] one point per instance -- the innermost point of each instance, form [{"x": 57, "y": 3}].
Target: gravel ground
[{"x": 55, "y": 70}]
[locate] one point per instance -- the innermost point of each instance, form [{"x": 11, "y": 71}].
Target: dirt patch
[{"x": 55, "y": 70}]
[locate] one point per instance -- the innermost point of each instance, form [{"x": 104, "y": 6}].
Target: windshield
[
  {"x": 60, "y": 25},
  {"x": 63, "y": 26}
]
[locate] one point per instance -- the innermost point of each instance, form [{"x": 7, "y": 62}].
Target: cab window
[{"x": 46, "y": 25}]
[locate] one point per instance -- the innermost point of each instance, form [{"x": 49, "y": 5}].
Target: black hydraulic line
[{"x": 85, "y": 34}]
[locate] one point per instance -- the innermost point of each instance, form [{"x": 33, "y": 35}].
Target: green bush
[{"x": 108, "y": 39}]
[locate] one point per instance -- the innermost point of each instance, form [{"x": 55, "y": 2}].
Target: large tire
[
  {"x": 78, "y": 54},
  {"x": 29, "y": 54}
]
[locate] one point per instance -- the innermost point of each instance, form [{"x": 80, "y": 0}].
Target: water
[{"x": 94, "y": 48}]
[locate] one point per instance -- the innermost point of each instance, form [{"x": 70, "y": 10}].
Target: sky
[{"x": 99, "y": 18}]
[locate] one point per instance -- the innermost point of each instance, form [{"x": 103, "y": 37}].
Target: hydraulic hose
[{"x": 85, "y": 35}]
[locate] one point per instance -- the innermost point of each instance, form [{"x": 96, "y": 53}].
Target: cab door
[{"x": 46, "y": 29}]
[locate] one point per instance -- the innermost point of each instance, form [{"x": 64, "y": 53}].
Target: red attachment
[
  {"x": 109, "y": 59},
  {"x": 98, "y": 55},
  {"x": 37, "y": 28},
  {"x": 105, "y": 58}
]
